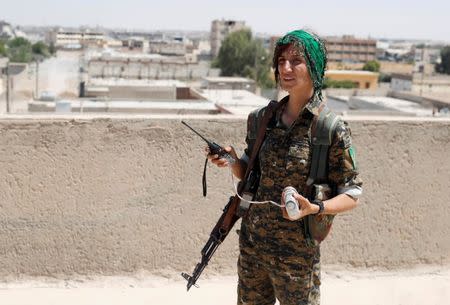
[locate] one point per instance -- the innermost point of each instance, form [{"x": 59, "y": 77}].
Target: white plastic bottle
[{"x": 291, "y": 203}]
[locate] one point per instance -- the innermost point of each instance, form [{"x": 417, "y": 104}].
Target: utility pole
[
  {"x": 7, "y": 89},
  {"x": 422, "y": 69},
  {"x": 37, "y": 79}
]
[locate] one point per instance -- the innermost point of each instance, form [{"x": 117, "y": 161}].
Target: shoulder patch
[
  {"x": 343, "y": 134},
  {"x": 352, "y": 155}
]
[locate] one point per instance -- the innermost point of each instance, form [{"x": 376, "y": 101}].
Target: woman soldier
[{"x": 276, "y": 261}]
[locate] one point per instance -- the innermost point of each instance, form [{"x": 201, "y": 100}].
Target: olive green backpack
[{"x": 323, "y": 129}]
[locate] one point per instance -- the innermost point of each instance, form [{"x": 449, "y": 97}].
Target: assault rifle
[
  {"x": 217, "y": 236},
  {"x": 230, "y": 212},
  {"x": 225, "y": 223}
]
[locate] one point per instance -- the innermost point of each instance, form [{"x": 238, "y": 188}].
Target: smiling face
[{"x": 293, "y": 73}]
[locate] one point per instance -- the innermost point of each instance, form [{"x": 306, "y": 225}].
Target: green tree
[
  {"x": 18, "y": 42},
  {"x": 241, "y": 55},
  {"x": 52, "y": 48},
  {"x": 444, "y": 66},
  {"x": 19, "y": 50},
  {"x": 2, "y": 49},
  {"x": 384, "y": 78},
  {"x": 372, "y": 65},
  {"x": 40, "y": 48}
]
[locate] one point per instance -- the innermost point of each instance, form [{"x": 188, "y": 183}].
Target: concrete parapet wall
[{"x": 116, "y": 196}]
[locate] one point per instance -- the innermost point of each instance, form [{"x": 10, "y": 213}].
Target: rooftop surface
[
  {"x": 395, "y": 104},
  {"x": 230, "y": 79},
  {"x": 362, "y": 287},
  {"x": 239, "y": 102},
  {"x": 136, "y": 82},
  {"x": 358, "y": 72}
]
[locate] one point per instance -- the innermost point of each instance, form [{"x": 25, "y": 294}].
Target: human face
[{"x": 293, "y": 72}]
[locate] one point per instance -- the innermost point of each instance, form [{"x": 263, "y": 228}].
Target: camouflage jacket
[{"x": 284, "y": 160}]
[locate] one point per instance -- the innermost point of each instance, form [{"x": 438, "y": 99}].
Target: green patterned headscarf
[{"x": 312, "y": 48}]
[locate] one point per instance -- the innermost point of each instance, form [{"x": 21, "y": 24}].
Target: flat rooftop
[
  {"x": 240, "y": 102},
  {"x": 136, "y": 82},
  {"x": 356, "y": 72},
  {"x": 228, "y": 79},
  {"x": 397, "y": 104}
]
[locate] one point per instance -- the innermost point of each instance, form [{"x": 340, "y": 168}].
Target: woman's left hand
[{"x": 306, "y": 207}]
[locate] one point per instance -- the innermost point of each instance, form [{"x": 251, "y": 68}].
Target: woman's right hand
[{"x": 221, "y": 162}]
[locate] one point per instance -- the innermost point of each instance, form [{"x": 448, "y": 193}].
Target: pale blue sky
[{"x": 391, "y": 19}]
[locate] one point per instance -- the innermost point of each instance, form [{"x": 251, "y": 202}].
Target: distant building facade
[
  {"x": 425, "y": 59},
  {"x": 220, "y": 29},
  {"x": 73, "y": 39},
  {"x": 229, "y": 83},
  {"x": 401, "y": 82},
  {"x": 349, "y": 48},
  {"x": 362, "y": 79},
  {"x": 174, "y": 48},
  {"x": 146, "y": 66}
]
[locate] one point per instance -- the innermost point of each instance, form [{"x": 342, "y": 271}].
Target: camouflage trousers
[{"x": 277, "y": 265}]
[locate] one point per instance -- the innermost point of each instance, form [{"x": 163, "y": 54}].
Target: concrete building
[
  {"x": 363, "y": 79},
  {"x": 110, "y": 64},
  {"x": 135, "y": 42},
  {"x": 395, "y": 51},
  {"x": 349, "y": 48},
  {"x": 425, "y": 59},
  {"x": 220, "y": 29},
  {"x": 72, "y": 39},
  {"x": 401, "y": 82},
  {"x": 231, "y": 83},
  {"x": 133, "y": 89},
  {"x": 155, "y": 107},
  {"x": 171, "y": 48}
]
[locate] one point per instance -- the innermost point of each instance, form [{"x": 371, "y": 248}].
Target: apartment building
[
  {"x": 220, "y": 29},
  {"x": 350, "y": 49},
  {"x": 64, "y": 39}
]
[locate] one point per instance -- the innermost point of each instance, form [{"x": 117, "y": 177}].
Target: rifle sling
[
  {"x": 268, "y": 114},
  {"x": 231, "y": 217}
]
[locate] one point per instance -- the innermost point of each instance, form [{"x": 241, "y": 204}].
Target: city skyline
[{"x": 393, "y": 20}]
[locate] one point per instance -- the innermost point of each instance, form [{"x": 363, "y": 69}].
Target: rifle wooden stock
[{"x": 216, "y": 237}]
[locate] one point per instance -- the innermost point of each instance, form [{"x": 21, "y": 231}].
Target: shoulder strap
[
  {"x": 261, "y": 124},
  {"x": 263, "y": 117},
  {"x": 322, "y": 131}
]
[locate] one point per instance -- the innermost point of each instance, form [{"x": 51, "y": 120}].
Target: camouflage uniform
[{"x": 275, "y": 260}]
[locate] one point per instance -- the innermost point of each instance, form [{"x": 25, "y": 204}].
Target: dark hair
[{"x": 293, "y": 39}]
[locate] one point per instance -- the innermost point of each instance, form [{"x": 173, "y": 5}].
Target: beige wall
[
  {"x": 387, "y": 67},
  {"x": 117, "y": 196},
  {"x": 364, "y": 81}
]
